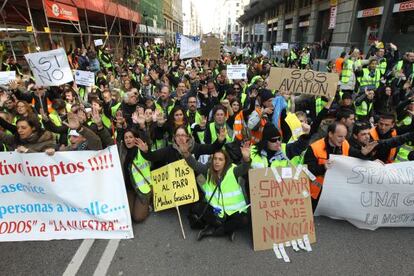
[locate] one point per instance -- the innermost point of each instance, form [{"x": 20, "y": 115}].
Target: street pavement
[{"x": 159, "y": 249}]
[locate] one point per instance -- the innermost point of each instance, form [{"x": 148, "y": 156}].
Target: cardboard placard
[
  {"x": 210, "y": 48},
  {"x": 303, "y": 81},
  {"x": 173, "y": 185},
  {"x": 281, "y": 211},
  {"x": 237, "y": 72},
  {"x": 50, "y": 68}
]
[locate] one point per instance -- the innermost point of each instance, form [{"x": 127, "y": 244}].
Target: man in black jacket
[{"x": 362, "y": 146}]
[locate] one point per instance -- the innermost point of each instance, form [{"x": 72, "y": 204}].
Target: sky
[{"x": 205, "y": 10}]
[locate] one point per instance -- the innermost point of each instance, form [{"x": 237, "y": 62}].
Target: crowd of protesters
[{"x": 159, "y": 109}]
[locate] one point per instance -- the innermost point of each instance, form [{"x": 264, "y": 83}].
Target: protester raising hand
[
  {"x": 245, "y": 150},
  {"x": 222, "y": 134},
  {"x": 141, "y": 145},
  {"x": 73, "y": 121},
  {"x": 96, "y": 118}
]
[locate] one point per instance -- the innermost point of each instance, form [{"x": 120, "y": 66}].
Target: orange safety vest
[
  {"x": 393, "y": 151},
  {"x": 49, "y": 104},
  {"x": 319, "y": 150},
  {"x": 238, "y": 127}
]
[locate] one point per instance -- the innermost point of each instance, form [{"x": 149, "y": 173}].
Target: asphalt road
[{"x": 159, "y": 249}]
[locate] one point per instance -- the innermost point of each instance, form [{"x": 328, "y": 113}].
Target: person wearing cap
[
  {"x": 271, "y": 152},
  {"x": 80, "y": 137},
  {"x": 317, "y": 156}
]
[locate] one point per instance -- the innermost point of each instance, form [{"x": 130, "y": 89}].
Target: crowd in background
[{"x": 159, "y": 109}]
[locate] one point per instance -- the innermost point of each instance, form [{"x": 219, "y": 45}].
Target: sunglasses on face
[{"x": 274, "y": 139}]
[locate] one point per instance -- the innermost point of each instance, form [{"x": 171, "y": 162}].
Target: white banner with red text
[{"x": 70, "y": 195}]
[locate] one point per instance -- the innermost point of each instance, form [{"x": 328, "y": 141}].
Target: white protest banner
[
  {"x": 98, "y": 42},
  {"x": 71, "y": 195},
  {"x": 263, "y": 53},
  {"x": 368, "y": 194},
  {"x": 7, "y": 76},
  {"x": 189, "y": 48},
  {"x": 276, "y": 48},
  {"x": 237, "y": 72},
  {"x": 50, "y": 68},
  {"x": 85, "y": 78}
]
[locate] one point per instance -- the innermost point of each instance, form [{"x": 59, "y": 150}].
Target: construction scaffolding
[{"x": 34, "y": 25}]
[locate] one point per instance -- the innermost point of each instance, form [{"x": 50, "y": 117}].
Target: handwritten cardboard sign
[
  {"x": 173, "y": 185},
  {"x": 303, "y": 81},
  {"x": 210, "y": 48},
  {"x": 281, "y": 206},
  {"x": 50, "y": 68}
]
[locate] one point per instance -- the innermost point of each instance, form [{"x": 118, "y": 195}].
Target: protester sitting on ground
[
  {"x": 137, "y": 174},
  {"x": 29, "y": 138},
  {"x": 171, "y": 153},
  {"x": 317, "y": 156},
  {"x": 224, "y": 208}
]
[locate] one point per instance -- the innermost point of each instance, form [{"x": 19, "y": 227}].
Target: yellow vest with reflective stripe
[
  {"x": 140, "y": 184},
  {"x": 213, "y": 133},
  {"x": 259, "y": 161},
  {"x": 228, "y": 197}
]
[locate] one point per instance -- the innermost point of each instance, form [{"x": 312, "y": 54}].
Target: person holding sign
[
  {"x": 224, "y": 209},
  {"x": 317, "y": 156}
]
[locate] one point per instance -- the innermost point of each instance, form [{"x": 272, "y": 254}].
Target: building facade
[
  {"x": 47, "y": 24},
  {"x": 192, "y": 24},
  {"x": 334, "y": 24}
]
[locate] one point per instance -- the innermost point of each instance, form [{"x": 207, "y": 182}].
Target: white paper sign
[
  {"x": 239, "y": 51},
  {"x": 7, "y": 76},
  {"x": 50, "y": 68},
  {"x": 71, "y": 195},
  {"x": 98, "y": 42},
  {"x": 263, "y": 53},
  {"x": 237, "y": 72},
  {"x": 284, "y": 46},
  {"x": 368, "y": 194},
  {"x": 189, "y": 48},
  {"x": 85, "y": 78},
  {"x": 276, "y": 48}
]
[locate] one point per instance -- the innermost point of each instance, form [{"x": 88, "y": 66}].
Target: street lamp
[{"x": 146, "y": 25}]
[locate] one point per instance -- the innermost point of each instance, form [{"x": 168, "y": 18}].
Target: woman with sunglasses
[{"x": 271, "y": 152}]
